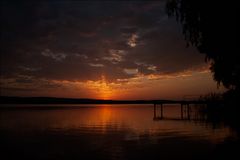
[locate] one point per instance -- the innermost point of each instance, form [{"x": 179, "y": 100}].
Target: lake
[{"x": 109, "y": 132}]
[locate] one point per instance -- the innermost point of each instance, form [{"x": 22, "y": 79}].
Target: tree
[{"x": 211, "y": 26}]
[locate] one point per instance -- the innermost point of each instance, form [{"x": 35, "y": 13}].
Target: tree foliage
[{"x": 211, "y": 26}]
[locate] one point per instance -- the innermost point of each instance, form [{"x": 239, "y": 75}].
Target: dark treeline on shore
[{"x": 54, "y": 100}]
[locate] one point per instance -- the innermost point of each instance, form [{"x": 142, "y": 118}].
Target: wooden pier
[{"x": 185, "y": 109}]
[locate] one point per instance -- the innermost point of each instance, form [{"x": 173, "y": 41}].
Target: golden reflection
[{"x": 105, "y": 114}]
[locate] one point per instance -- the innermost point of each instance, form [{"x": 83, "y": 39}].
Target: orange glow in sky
[
  {"x": 140, "y": 87},
  {"x": 104, "y": 90}
]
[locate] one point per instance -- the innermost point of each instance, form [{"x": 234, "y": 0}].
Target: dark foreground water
[{"x": 107, "y": 132}]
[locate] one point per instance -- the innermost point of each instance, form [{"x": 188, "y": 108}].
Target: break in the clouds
[{"x": 83, "y": 41}]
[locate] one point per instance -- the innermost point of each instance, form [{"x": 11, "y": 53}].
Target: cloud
[
  {"x": 152, "y": 68},
  {"x": 28, "y": 69},
  {"x": 55, "y": 56},
  {"x": 131, "y": 71},
  {"x": 96, "y": 65},
  {"x": 115, "y": 56},
  {"x": 81, "y": 56},
  {"x": 129, "y": 30},
  {"x": 27, "y": 83},
  {"x": 87, "y": 34},
  {"x": 132, "y": 41},
  {"x": 83, "y": 41}
]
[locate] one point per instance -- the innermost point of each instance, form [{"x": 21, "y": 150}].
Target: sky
[{"x": 98, "y": 49}]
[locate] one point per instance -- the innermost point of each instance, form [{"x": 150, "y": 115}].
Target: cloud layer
[{"x": 83, "y": 41}]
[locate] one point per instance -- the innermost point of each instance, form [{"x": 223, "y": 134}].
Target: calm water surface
[{"x": 105, "y": 132}]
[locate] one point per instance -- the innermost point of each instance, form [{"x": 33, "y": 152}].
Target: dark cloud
[
  {"x": 128, "y": 30},
  {"x": 70, "y": 40}
]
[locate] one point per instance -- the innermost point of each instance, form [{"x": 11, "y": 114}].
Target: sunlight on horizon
[
  {"x": 163, "y": 86},
  {"x": 104, "y": 90}
]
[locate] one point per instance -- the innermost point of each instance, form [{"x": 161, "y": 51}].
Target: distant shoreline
[{"x": 54, "y": 100}]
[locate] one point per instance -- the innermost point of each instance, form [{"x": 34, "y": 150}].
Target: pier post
[
  {"x": 161, "y": 110},
  {"x": 154, "y": 114},
  {"x": 181, "y": 111},
  {"x": 188, "y": 111}
]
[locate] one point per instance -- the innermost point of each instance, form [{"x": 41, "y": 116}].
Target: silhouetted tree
[{"x": 211, "y": 26}]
